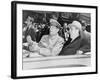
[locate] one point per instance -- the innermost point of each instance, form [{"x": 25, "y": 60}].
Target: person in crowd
[
  {"x": 79, "y": 44},
  {"x": 65, "y": 30},
  {"x": 38, "y": 32},
  {"x": 49, "y": 45},
  {"x": 29, "y": 33},
  {"x": 87, "y": 34},
  {"x": 44, "y": 30},
  {"x": 54, "y": 16},
  {"x": 66, "y": 34},
  {"x": 88, "y": 28}
]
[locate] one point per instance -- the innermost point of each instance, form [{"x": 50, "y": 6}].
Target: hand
[
  {"x": 34, "y": 47},
  {"x": 25, "y": 44},
  {"x": 79, "y": 52},
  {"x": 44, "y": 44},
  {"x": 29, "y": 40}
]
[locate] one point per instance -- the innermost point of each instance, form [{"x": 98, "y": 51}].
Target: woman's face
[{"x": 53, "y": 30}]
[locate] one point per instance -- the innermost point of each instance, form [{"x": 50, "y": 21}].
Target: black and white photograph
[
  {"x": 54, "y": 39},
  {"x": 54, "y": 35}
]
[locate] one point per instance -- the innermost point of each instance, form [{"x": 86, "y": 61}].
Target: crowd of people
[{"x": 52, "y": 39}]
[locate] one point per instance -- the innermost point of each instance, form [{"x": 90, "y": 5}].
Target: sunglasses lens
[{"x": 68, "y": 29}]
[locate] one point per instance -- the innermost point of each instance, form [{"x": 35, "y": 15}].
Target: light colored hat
[
  {"x": 76, "y": 24},
  {"x": 54, "y": 22}
]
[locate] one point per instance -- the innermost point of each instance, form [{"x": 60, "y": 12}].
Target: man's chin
[{"x": 51, "y": 34}]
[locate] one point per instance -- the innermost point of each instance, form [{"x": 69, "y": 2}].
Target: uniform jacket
[{"x": 51, "y": 46}]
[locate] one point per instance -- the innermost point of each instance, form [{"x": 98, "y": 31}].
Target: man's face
[
  {"x": 53, "y": 30},
  {"x": 73, "y": 31}
]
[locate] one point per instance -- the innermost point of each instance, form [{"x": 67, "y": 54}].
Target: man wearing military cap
[{"x": 49, "y": 45}]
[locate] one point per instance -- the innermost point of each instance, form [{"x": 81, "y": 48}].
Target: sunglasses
[{"x": 67, "y": 28}]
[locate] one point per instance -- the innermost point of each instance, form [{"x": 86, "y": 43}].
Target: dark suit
[{"x": 77, "y": 44}]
